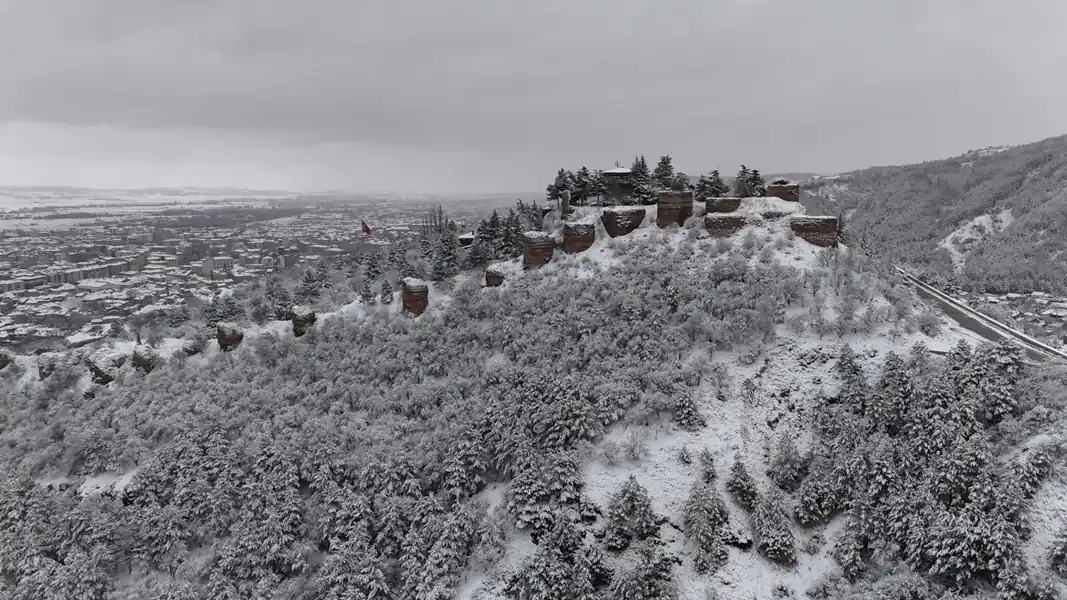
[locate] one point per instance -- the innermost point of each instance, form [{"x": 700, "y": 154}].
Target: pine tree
[
  {"x": 686, "y": 413},
  {"x": 366, "y": 293},
  {"x": 511, "y": 237},
  {"x": 1057, "y": 554},
  {"x": 564, "y": 181},
  {"x": 222, "y": 309},
  {"x": 278, "y": 298},
  {"x": 707, "y": 466},
  {"x": 711, "y": 186},
  {"x": 481, "y": 249},
  {"x": 787, "y": 468},
  {"x": 386, "y": 292},
  {"x": 446, "y": 259},
  {"x": 704, "y": 521},
  {"x": 372, "y": 268},
  {"x": 629, "y": 516},
  {"x": 854, "y": 388},
  {"x": 310, "y": 288},
  {"x": 741, "y": 485},
  {"x": 639, "y": 171},
  {"x": 583, "y": 186},
  {"x": 890, "y": 403},
  {"x": 663, "y": 175},
  {"x": 774, "y": 538},
  {"x": 742, "y": 183},
  {"x": 756, "y": 185}
]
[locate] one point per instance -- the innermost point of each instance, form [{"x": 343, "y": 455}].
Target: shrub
[{"x": 684, "y": 457}]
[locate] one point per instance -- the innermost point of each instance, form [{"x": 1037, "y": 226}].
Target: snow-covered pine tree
[
  {"x": 564, "y": 181},
  {"x": 446, "y": 259},
  {"x": 310, "y": 288},
  {"x": 640, "y": 172},
  {"x": 278, "y": 298},
  {"x": 686, "y": 413},
  {"x": 892, "y": 399},
  {"x": 510, "y": 244},
  {"x": 1057, "y": 554},
  {"x": 756, "y": 185},
  {"x": 742, "y": 183},
  {"x": 481, "y": 249},
  {"x": 629, "y": 516},
  {"x": 711, "y": 186},
  {"x": 787, "y": 468},
  {"x": 707, "y": 466},
  {"x": 372, "y": 269},
  {"x": 854, "y": 389},
  {"x": 741, "y": 485},
  {"x": 386, "y": 291},
  {"x": 774, "y": 538},
  {"x": 366, "y": 293},
  {"x": 704, "y": 519},
  {"x": 583, "y": 186},
  {"x": 663, "y": 174}
]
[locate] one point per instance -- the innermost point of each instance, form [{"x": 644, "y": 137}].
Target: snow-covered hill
[{"x": 482, "y": 449}]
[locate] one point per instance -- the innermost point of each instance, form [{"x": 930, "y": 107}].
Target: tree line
[{"x": 588, "y": 186}]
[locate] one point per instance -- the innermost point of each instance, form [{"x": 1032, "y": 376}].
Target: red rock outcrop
[
  {"x": 145, "y": 358},
  {"x": 578, "y": 237},
  {"x": 721, "y": 205},
  {"x": 46, "y": 365},
  {"x": 103, "y": 364},
  {"x": 6, "y": 358},
  {"x": 229, "y": 336},
  {"x": 415, "y": 295},
  {"x": 537, "y": 248},
  {"x": 674, "y": 208},
  {"x": 303, "y": 319},
  {"x": 493, "y": 277},
  {"x": 784, "y": 189},
  {"x": 722, "y": 225},
  {"x": 623, "y": 220},
  {"x": 820, "y": 231}
]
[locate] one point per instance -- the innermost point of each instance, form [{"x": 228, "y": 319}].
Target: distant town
[{"x": 74, "y": 268}]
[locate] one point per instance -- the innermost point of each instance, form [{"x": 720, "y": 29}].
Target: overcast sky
[{"x": 495, "y": 95}]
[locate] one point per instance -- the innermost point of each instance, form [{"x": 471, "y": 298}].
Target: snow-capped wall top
[
  {"x": 536, "y": 235},
  {"x": 770, "y": 205},
  {"x": 302, "y": 312},
  {"x": 413, "y": 283},
  {"x": 624, "y": 209}
]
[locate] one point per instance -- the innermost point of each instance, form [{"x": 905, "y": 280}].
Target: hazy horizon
[{"x": 477, "y": 97}]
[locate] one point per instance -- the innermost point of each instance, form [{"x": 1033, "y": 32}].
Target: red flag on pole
[{"x": 366, "y": 228}]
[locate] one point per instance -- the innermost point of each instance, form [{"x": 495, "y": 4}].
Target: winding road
[{"x": 980, "y": 324}]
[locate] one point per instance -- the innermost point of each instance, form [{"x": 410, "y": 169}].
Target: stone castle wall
[
  {"x": 578, "y": 237},
  {"x": 537, "y": 248},
  {"x": 622, "y": 221},
  {"x": 820, "y": 231},
  {"x": 674, "y": 208}
]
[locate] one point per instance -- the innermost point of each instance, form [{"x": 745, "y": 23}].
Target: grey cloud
[{"x": 819, "y": 84}]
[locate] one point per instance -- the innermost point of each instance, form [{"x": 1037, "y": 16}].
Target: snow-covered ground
[
  {"x": 959, "y": 242},
  {"x": 743, "y": 424}
]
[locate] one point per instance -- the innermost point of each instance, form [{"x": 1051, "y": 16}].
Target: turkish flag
[{"x": 366, "y": 228}]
